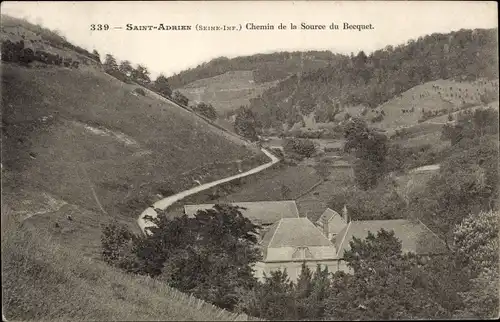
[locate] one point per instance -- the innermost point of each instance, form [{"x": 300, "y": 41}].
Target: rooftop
[
  {"x": 259, "y": 212},
  {"x": 329, "y": 216},
  {"x": 415, "y": 236},
  {"x": 294, "y": 232}
]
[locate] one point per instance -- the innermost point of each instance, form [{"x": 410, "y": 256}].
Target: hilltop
[
  {"x": 81, "y": 149},
  {"x": 228, "y": 84},
  {"x": 283, "y": 89},
  {"x": 367, "y": 81}
]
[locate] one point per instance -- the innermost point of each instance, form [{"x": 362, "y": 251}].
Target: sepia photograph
[{"x": 249, "y": 160}]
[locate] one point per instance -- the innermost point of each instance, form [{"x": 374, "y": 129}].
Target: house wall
[
  {"x": 286, "y": 253},
  {"x": 294, "y": 268}
]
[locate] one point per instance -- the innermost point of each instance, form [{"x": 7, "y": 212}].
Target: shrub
[
  {"x": 302, "y": 147},
  {"x": 377, "y": 118},
  {"x": 140, "y": 91},
  {"x": 180, "y": 98}
]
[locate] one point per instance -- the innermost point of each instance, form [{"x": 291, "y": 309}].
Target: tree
[
  {"x": 302, "y": 290},
  {"x": 245, "y": 123},
  {"x": 126, "y": 68},
  {"x": 179, "y": 98},
  {"x": 162, "y": 86},
  {"x": 476, "y": 239},
  {"x": 140, "y": 74},
  {"x": 273, "y": 299},
  {"x": 385, "y": 285},
  {"x": 209, "y": 255},
  {"x": 110, "y": 64},
  {"x": 301, "y": 147},
  {"x": 96, "y": 55},
  {"x": 206, "y": 110},
  {"x": 118, "y": 247},
  {"x": 370, "y": 148}
]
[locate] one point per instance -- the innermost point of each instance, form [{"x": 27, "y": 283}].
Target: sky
[{"x": 169, "y": 52}]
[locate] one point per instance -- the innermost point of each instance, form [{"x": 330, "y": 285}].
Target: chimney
[
  {"x": 345, "y": 215},
  {"x": 325, "y": 226}
]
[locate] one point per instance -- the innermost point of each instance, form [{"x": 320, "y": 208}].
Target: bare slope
[{"x": 226, "y": 92}]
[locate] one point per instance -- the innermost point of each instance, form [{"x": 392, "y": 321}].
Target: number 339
[{"x": 99, "y": 27}]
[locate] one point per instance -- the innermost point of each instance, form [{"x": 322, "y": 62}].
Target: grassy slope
[
  {"x": 43, "y": 280},
  {"x": 449, "y": 96},
  {"x": 164, "y": 141},
  {"x": 225, "y": 92},
  {"x": 77, "y": 142}
]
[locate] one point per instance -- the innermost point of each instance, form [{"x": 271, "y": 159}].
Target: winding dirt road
[{"x": 166, "y": 202}]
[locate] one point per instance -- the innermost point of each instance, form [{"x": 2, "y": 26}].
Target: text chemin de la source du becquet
[{"x": 248, "y": 26}]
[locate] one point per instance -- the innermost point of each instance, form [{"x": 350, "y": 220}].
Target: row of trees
[
  {"x": 53, "y": 38},
  {"x": 17, "y": 52},
  {"x": 125, "y": 72}
]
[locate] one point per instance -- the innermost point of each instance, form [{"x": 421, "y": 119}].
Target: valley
[{"x": 304, "y": 173}]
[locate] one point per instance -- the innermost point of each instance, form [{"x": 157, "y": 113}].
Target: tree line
[
  {"x": 266, "y": 67},
  {"x": 140, "y": 74}
]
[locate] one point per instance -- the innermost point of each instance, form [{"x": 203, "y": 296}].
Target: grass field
[
  {"x": 315, "y": 202},
  {"x": 263, "y": 186},
  {"x": 268, "y": 186}
]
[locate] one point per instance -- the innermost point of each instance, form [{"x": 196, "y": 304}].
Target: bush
[
  {"x": 377, "y": 118},
  {"x": 179, "y": 98},
  {"x": 27, "y": 55},
  {"x": 302, "y": 147},
  {"x": 206, "y": 110},
  {"x": 140, "y": 91}
]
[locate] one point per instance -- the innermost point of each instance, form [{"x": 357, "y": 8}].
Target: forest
[{"x": 372, "y": 79}]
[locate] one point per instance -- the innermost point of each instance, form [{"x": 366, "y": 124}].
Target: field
[
  {"x": 226, "y": 92},
  {"x": 406, "y": 109},
  {"x": 315, "y": 202},
  {"x": 267, "y": 185}
]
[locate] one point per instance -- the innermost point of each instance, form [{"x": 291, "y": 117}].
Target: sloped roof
[
  {"x": 327, "y": 215},
  {"x": 415, "y": 236},
  {"x": 334, "y": 219},
  {"x": 294, "y": 232},
  {"x": 261, "y": 212}
]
